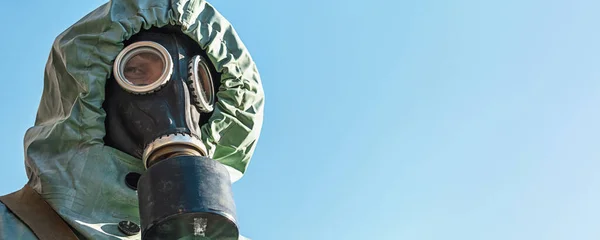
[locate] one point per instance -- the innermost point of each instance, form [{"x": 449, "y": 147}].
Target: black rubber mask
[{"x": 160, "y": 94}]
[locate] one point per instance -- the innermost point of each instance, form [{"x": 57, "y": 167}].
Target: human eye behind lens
[{"x": 134, "y": 72}]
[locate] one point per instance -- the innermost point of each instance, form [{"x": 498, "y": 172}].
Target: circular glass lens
[
  {"x": 206, "y": 82},
  {"x": 143, "y": 67},
  {"x": 201, "y": 84}
]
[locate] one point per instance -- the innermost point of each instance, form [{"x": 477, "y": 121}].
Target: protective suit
[{"x": 67, "y": 161}]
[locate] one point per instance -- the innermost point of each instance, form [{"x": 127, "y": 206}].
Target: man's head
[{"x": 159, "y": 95}]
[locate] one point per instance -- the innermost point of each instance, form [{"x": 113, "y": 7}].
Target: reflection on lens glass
[
  {"x": 143, "y": 68},
  {"x": 205, "y": 80}
]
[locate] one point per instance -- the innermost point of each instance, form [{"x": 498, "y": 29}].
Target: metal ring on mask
[
  {"x": 172, "y": 139},
  {"x": 201, "y": 84},
  {"x": 132, "y": 50}
]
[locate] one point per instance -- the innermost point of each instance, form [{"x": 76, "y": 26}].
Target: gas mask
[{"x": 162, "y": 91}]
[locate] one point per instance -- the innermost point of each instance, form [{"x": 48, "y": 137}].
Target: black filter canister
[{"x": 187, "y": 197}]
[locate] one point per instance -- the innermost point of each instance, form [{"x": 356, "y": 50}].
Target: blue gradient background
[{"x": 389, "y": 120}]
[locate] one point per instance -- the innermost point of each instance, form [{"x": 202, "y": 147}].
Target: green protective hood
[{"x": 66, "y": 160}]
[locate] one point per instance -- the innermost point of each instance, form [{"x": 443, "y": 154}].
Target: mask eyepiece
[
  {"x": 201, "y": 84},
  {"x": 143, "y": 67}
]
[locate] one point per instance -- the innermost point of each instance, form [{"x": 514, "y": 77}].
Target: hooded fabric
[{"x": 66, "y": 160}]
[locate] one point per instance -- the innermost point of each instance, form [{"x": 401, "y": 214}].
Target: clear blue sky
[{"x": 389, "y": 120}]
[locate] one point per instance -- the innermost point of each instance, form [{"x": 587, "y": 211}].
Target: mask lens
[
  {"x": 143, "y": 67},
  {"x": 201, "y": 84}
]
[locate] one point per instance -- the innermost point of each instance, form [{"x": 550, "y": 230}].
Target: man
[{"x": 101, "y": 120}]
